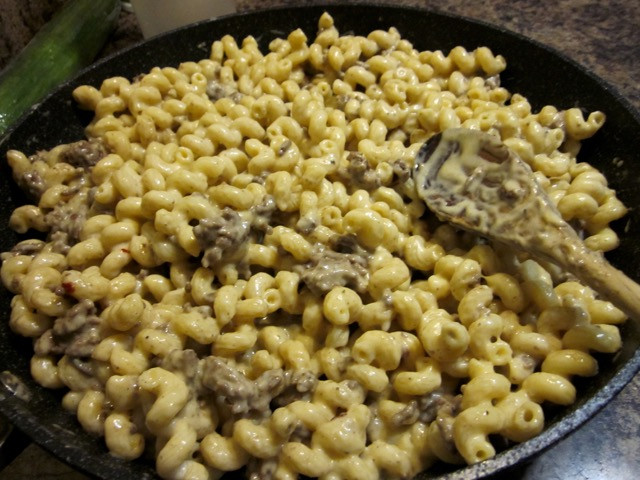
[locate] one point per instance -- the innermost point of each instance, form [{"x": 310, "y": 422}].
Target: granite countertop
[{"x": 604, "y": 36}]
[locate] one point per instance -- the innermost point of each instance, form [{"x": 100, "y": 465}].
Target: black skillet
[{"x": 542, "y": 75}]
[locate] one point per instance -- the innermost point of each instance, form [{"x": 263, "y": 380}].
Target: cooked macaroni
[{"x": 238, "y": 271}]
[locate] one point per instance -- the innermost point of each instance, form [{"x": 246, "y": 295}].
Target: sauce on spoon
[{"x": 472, "y": 180}]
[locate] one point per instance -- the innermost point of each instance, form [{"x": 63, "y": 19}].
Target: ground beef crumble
[
  {"x": 32, "y": 183},
  {"x": 328, "y": 269},
  {"x": 262, "y": 214},
  {"x": 69, "y": 218},
  {"x": 221, "y": 237},
  {"x": 401, "y": 171},
  {"x": 360, "y": 172},
  {"x": 84, "y": 154},
  {"x": 298, "y": 385},
  {"x": 233, "y": 391},
  {"x": 76, "y": 333},
  {"x": 217, "y": 90}
]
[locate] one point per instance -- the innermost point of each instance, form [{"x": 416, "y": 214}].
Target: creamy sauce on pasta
[{"x": 239, "y": 275}]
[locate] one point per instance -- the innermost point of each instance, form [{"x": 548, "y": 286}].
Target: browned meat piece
[
  {"x": 330, "y": 269},
  {"x": 217, "y": 90},
  {"x": 360, "y": 172},
  {"x": 299, "y": 385},
  {"x": 435, "y": 403},
  {"x": 84, "y": 365},
  {"x": 74, "y": 334},
  {"x": 346, "y": 244},
  {"x": 401, "y": 171},
  {"x": 84, "y": 154},
  {"x": 262, "y": 214},
  {"x": 75, "y": 318},
  {"x": 235, "y": 391},
  {"x": 305, "y": 225},
  {"x": 69, "y": 218},
  {"x": 184, "y": 361},
  {"x": 407, "y": 416},
  {"x": 445, "y": 428},
  {"x": 32, "y": 183},
  {"x": 426, "y": 408},
  {"x": 60, "y": 242},
  {"x": 222, "y": 237},
  {"x": 85, "y": 339}
]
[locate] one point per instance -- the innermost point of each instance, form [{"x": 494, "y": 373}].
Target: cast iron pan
[{"x": 533, "y": 70}]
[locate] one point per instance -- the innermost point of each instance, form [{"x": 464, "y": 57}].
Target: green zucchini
[{"x": 67, "y": 43}]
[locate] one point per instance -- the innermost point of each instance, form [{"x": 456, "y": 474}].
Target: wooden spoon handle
[{"x": 613, "y": 285}]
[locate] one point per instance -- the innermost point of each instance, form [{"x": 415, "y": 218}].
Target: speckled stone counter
[{"x": 603, "y": 36}]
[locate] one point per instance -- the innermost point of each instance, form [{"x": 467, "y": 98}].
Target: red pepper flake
[
  {"x": 68, "y": 287},
  {"x": 125, "y": 250}
]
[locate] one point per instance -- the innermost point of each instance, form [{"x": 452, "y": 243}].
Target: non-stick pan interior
[{"x": 540, "y": 74}]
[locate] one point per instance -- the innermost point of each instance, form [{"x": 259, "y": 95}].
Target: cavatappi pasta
[{"x": 238, "y": 271}]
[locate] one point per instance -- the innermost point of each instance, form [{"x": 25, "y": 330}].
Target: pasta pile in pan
[{"x": 238, "y": 272}]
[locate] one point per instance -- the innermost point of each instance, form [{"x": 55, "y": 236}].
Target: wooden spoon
[{"x": 472, "y": 180}]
